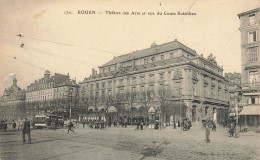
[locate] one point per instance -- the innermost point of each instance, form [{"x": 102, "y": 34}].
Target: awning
[
  {"x": 250, "y": 110},
  {"x": 151, "y": 110},
  {"x": 112, "y": 109},
  {"x": 91, "y": 108}
]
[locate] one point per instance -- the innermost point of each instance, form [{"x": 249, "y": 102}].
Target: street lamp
[{"x": 71, "y": 89}]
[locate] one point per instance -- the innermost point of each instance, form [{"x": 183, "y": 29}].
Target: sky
[{"x": 75, "y": 43}]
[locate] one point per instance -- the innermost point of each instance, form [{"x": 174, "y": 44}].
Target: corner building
[
  {"x": 56, "y": 93},
  {"x": 250, "y": 41},
  {"x": 12, "y": 102},
  {"x": 197, "y": 84}
]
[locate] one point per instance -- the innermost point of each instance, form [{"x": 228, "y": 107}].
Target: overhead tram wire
[
  {"x": 65, "y": 44},
  {"x": 176, "y": 27},
  {"x": 15, "y": 58},
  {"x": 51, "y": 54}
]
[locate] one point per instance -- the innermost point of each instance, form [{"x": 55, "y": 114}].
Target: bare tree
[
  {"x": 164, "y": 97},
  {"x": 107, "y": 101},
  {"x": 94, "y": 100},
  {"x": 145, "y": 98},
  {"x": 129, "y": 99},
  {"x": 86, "y": 102}
]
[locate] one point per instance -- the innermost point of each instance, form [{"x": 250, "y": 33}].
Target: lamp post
[
  {"x": 71, "y": 89},
  {"x": 180, "y": 104}
]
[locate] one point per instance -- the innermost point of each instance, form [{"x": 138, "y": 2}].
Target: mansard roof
[
  {"x": 154, "y": 49},
  {"x": 248, "y": 12}
]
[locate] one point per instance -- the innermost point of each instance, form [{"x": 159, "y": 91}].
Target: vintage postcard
[{"x": 129, "y": 79}]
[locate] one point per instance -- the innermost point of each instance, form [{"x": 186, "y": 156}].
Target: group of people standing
[
  {"x": 4, "y": 125},
  {"x": 233, "y": 129}
]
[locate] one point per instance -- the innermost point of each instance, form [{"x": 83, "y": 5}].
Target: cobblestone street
[{"x": 128, "y": 143}]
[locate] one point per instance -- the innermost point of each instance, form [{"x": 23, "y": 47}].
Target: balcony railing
[{"x": 251, "y": 86}]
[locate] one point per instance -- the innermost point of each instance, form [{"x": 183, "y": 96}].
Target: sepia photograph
[{"x": 129, "y": 80}]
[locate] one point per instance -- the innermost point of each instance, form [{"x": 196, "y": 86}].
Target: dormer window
[{"x": 252, "y": 19}]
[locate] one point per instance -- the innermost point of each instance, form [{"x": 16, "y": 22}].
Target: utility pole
[{"x": 71, "y": 89}]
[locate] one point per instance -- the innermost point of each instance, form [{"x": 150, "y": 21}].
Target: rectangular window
[
  {"x": 252, "y": 36},
  {"x": 121, "y": 82},
  {"x": 171, "y": 55},
  {"x": 162, "y": 57},
  {"x": 151, "y": 77},
  {"x": 142, "y": 79},
  {"x": 253, "y": 54},
  {"x": 145, "y": 61},
  {"x": 152, "y": 59},
  {"x": 252, "y": 19},
  {"x": 253, "y": 78},
  {"x": 161, "y": 76}
]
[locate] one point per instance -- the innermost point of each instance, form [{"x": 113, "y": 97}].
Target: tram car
[{"x": 44, "y": 120}]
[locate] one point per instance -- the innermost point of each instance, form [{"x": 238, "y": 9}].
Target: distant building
[
  {"x": 250, "y": 29},
  {"x": 52, "y": 94},
  {"x": 198, "y": 88},
  {"x": 12, "y": 102},
  {"x": 234, "y": 89}
]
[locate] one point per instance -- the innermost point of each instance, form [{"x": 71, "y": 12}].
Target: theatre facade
[{"x": 167, "y": 82}]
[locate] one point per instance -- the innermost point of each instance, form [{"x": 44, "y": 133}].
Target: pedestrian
[
  {"x": 141, "y": 125},
  {"x": 137, "y": 126},
  {"x": 214, "y": 128},
  {"x": 5, "y": 126},
  {"x": 237, "y": 130},
  {"x": 26, "y": 130},
  {"x": 125, "y": 123},
  {"x": 55, "y": 124},
  {"x": 231, "y": 129},
  {"x": 14, "y": 124},
  {"x": 70, "y": 125},
  {"x": 207, "y": 133},
  {"x": 84, "y": 124},
  {"x": 174, "y": 124},
  {"x": 179, "y": 124},
  {"x": 19, "y": 125}
]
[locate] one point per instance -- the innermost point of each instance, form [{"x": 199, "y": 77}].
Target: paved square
[{"x": 128, "y": 143}]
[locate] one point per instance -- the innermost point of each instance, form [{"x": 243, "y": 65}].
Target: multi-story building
[
  {"x": 196, "y": 84},
  {"x": 12, "y": 102},
  {"x": 52, "y": 93},
  {"x": 250, "y": 29},
  {"x": 234, "y": 89}
]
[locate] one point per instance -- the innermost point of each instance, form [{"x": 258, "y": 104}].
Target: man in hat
[
  {"x": 26, "y": 130},
  {"x": 207, "y": 133}
]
